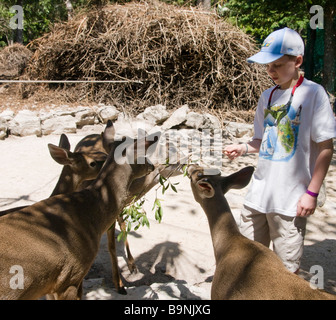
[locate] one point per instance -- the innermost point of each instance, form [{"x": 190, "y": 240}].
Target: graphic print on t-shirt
[{"x": 281, "y": 129}]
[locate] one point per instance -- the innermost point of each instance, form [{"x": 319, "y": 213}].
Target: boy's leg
[
  {"x": 287, "y": 235},
  {"x": 253, "y": 225}
]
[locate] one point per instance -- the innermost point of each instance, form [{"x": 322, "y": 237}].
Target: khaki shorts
[{"x": 286, "y": 233}]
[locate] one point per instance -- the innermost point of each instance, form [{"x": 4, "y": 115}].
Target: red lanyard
[{"x": 292, "y": 93}]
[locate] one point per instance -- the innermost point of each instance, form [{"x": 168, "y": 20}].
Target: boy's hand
[
  {"x": 306, "y": 206},
  {"x": 234, "y": 150}
]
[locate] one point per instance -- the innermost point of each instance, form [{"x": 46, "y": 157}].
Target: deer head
[{"x": 205, "y": 185}]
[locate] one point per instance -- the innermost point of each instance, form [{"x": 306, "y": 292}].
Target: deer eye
[{"x": 93, "y": 164}]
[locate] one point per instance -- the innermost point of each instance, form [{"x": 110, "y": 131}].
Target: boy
[{"x": 293, "y": 131}]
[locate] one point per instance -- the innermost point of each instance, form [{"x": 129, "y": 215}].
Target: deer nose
[{"x": 191, "y": 168}]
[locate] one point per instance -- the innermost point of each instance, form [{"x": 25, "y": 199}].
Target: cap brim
[{"x": 264, "y": 57}]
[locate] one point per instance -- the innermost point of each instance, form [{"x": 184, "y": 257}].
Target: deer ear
[
  {"x": 60, "y": 155},
  {"x": 237, "y": 180},
  {"x": 64, "y": 142},
  {"x": 108, "y": 135},
  {"x": 207, "y": 191},
  {"x": 146, "y": 146},
  {"x": 152, "y": 142}
]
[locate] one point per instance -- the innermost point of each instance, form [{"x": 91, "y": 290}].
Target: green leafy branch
[{"x": 134, "y": 214}]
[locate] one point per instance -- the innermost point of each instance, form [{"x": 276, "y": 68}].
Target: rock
[
  {"x": 238, "y": 130},
  {"x": 44, "y": 115},
  {"x": 3, "y": 129},
  {"x": 25, "y": 123},
  {"x": 5, "y": 118},
  {"x": 84, "y": 116},
  {"x": 202, "y": 121},
  {"x": 64, "y": 110},
  {"x": 195, "y": 120},
  {"x": 105, "y": 113},
  {"x": 63, "y": 120},
  {"x": 7, "y": 115},
  {"x": 210, "y": 122},
  {"x": 178, "y": 117},
  {"x": 59, "y": 125},
  {"x": 155, "y": 114},
  {"x": 123, "y": 118}
]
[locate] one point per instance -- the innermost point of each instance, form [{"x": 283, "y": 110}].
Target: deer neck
[
  {"x": 223, "y": 227},
  {"x": 67, "y": 182},
  {"x": 111, "y": 189}
]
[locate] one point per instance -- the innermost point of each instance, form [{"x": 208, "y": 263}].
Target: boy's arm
[
  {"x": 235, "y": 150},
  {"x": 307, "y": 203}
]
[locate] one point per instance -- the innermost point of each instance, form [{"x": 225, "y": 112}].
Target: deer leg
[
  {"x": 71, "y": 293},
  {"x": 113, "y": 253},
  {"x": 130, "y": 260},
  {"x": 51, "y": 296}
]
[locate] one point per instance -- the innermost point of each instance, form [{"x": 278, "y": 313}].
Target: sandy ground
[{"x": 175, "y": 257}]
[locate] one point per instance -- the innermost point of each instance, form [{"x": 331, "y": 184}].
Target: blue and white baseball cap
[{"x": 277, "y": 44}]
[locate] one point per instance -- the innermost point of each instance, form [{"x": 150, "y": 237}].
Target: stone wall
[{"x": 63, "y": 120}]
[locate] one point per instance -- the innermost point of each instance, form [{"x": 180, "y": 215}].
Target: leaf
[
  {"x": 145, "y": 220},
  {"x": 162, "y": 180},
  {"x": 160, "y": 214},
  {"x": 184, "y": 170},
  {"x": 157, "y": 203},
  {"x": 120, "y": 236}
]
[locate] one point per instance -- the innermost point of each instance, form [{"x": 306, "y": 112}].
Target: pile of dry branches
[
  {"x": 180, "y": 55},
  {"x": 13, "y": 60}
]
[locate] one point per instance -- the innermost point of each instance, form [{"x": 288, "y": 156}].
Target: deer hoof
[
  {"x": 122, "y": 291},
  {"x": 132, "y": 267}
]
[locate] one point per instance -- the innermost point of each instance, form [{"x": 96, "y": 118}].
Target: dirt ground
[{"x": 174, "y": 258}]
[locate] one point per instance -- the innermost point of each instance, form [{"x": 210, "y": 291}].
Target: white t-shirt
[{"x": 288, "y": 150}]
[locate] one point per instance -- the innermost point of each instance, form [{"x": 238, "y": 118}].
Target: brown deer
[
  {"x": 84, "y": 164},
  {"x": 80, "y": 167},
  {"x": 55, "y": 241},
  {"x": 245, "y": 269}
]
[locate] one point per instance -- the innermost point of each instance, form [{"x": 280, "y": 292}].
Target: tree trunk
[
  {"x": 329, "y": 64},
  {"x": 309, "y": 56},
  {"x": 18, "y": 34}
]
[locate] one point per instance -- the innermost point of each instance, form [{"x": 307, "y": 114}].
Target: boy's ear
[{"x": 299, "y": 61}]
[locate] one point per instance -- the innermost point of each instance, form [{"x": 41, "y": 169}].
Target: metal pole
[{"x": 70, "y": 81}]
